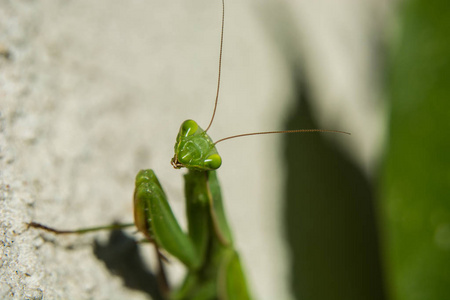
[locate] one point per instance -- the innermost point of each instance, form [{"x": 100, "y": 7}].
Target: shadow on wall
[
  {"x": 121, "y": 255},
  {"x": 330, "y": 217}
]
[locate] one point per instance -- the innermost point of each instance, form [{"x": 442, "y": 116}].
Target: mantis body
[{"x": 214, "y": 269}]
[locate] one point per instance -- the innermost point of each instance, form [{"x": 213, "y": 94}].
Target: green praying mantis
[{"x": 214, "y": 269}]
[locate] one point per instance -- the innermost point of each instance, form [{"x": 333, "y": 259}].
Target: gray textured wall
[{"x": 94, "y": 91}]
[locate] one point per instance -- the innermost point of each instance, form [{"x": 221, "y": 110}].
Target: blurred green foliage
[
  {"x": 332, "y": 222},
  {"x": 415, "y": 193}
]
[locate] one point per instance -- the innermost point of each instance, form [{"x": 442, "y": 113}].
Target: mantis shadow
[{"x": 122, "y": 256}]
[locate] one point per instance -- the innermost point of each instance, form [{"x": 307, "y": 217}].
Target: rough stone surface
[{"x": 93, "y": 91}]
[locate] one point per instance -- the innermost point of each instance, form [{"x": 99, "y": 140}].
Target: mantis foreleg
[
  {"x": 154, "y": 217},
  {"x": 214, "y": 269}
]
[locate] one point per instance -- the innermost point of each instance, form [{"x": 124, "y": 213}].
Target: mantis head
[{"x": 194, "y": 149}]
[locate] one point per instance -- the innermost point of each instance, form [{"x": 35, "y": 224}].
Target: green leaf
[{"x": 415, "y": 194}]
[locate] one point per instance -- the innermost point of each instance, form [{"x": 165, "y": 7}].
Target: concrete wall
[{"x": 93, "y": 91}]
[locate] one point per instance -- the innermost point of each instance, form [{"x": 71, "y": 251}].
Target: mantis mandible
[{"x": 214, "y": 269}]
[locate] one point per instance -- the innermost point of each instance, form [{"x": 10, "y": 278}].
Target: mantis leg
[
  {"x": 232, "y": 282},
  {"x": 154, "y": 217},
  {"x": 228, "y": 282},
  {"x": 81, "y": 230}
]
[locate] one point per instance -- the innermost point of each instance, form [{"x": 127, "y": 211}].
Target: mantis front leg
[
  {"x": 155, "y": 219},
  {"x": 214, "y": 269}
]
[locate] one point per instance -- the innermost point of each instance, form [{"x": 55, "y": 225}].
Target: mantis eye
[
  {"x": 213, "y": 161},
  {"x": 189, "y": 127}
]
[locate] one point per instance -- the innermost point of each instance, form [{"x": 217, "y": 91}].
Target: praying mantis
[{"x": 214, "y": 268}]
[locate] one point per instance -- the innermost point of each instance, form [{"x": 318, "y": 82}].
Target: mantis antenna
[
  {"x": 282, "y": 131},
  {"x": 217, "y": 100},
  {"x": 220, "y": 66}
]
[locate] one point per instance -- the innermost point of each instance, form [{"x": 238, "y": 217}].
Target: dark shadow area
[
  {"x": 330, "y": 216},
  {"x": 122, "y": 257}
]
